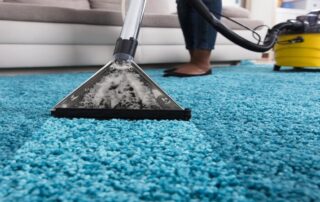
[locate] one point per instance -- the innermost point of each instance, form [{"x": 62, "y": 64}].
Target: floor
[{"x": 254, "y": 136}]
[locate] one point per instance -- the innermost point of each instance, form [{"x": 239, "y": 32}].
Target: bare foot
[
  {"x": 192, "y": 69},
  {"x": 199, "y": 63}
]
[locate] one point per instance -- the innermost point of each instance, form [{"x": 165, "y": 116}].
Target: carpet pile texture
[{"x": 254, "y": 136}]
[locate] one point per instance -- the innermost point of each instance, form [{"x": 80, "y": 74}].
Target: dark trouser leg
[{"x": 198, "y": 34}]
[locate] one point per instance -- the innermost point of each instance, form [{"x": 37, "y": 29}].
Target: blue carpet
[{"x": 254, "y": 136}]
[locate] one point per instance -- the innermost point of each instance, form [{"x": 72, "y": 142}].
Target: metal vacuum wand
[{"x": 128, "y": 41}]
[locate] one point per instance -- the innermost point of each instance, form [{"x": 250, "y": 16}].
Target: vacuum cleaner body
[
  {"x": 298, "y": 54},
  {"x": 300, "y": 48}
]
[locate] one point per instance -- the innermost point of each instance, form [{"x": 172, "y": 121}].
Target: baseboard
[{"x": 30, "y": 56}]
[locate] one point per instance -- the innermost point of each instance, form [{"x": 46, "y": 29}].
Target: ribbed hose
[{"x": 269, "y": 42}]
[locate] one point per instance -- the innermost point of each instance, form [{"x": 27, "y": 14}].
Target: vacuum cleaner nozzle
[{"x": 120, "y": 90}]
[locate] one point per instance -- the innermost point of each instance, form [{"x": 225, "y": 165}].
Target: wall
[{"x": 263, "y": 10}]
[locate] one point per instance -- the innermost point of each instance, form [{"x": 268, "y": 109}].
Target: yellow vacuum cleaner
[{"x": 300, "y": 48}]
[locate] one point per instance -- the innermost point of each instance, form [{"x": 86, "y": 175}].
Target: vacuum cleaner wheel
[{"x": 276, "y": 68}]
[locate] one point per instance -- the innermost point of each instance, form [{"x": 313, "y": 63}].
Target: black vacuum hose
[{"x": 269, "y": 42}]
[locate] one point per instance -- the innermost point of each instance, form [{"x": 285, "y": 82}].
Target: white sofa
[{"x": 33, "y": 35}]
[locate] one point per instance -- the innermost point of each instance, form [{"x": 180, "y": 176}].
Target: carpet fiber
[{"x": 254, "y": 136}]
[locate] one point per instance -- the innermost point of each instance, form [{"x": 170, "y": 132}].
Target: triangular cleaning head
[{"x": 120, "y": 90}]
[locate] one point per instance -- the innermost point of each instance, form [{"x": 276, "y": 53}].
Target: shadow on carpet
[{"x": 254, "y": 136}]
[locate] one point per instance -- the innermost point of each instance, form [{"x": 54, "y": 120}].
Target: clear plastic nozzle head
[{"x": 121, "y": 84}]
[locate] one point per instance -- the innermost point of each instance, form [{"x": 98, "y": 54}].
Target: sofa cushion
[
  {"x": 78, "y": 4},
  {"x": 114, "y": 5},
  {"x": 235, "y": 12},
  {"x": 159, "y": 6},
  {"x": 152, "y": 6},
  {"x": 22, "y": 12},
  {"x": 171, "y": 21}
]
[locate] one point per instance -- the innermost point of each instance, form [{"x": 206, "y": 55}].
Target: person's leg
[{"x": 199, "y": 36}]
